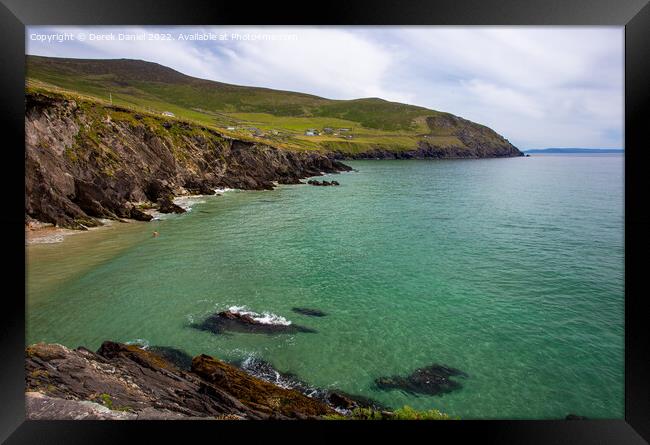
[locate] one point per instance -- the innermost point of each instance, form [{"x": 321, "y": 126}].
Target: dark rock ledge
[
  {"x": 81, "y": 167},
  {"x": 126, "y": 382},
  {"x": 229, "y": 321}
]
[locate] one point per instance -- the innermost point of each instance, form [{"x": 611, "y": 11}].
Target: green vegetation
[
  {"x": 277, "y": 118},
  {"x": 405, "y": 413},
  {"x": 107, "y": 401}
]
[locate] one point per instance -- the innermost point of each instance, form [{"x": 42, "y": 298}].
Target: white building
[{"x": 168, "y": 113}]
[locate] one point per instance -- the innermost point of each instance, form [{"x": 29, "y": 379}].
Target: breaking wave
[
  {"x": 143, "y": 343},
  {"x": 264, "y": 317}
]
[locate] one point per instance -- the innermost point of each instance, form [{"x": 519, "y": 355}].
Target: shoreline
[
  {"x": 41, "y": 233},
  {"x": 205, "y": 388}
]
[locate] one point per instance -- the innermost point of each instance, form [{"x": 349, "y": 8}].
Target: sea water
[{"x": 510, "y": 270}]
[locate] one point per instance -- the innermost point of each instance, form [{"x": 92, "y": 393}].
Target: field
[{"x": 279, "y": 118}]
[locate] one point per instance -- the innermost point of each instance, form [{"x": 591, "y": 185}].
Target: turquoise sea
[{"x": 510, "y": 270}]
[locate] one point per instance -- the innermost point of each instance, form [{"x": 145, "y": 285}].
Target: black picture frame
[{"x": 633, "y": 14}]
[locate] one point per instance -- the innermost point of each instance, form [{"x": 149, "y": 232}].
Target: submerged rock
[
  {"x": 432, "y": 380},
  {"x": 309, "y": 312},
  {"x": 322, "y": 183},
  {"x": 244, "y": 322}
]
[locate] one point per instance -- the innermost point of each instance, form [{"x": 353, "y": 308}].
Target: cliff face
[
  {"x": 470, "y": 140},
  {"x": 86, "y": 161}
]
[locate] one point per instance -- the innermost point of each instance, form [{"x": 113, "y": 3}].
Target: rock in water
[
  {"x": 432, "y": 380},
  {"x": 309, "y": 312},
  {"x": 243, "y": 322},
  {"x": 323, "y": 183},
  {"x": 335, "y": 398}
]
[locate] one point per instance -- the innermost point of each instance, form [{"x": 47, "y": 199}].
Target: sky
[{"x": 537, "y": 86}]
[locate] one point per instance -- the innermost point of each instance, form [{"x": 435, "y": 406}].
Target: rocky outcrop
[
  {"x": 432, "y": 380},
  {"x": 85, "y": 161},
  {"x": 339, "y": 400},
  {"x": 229, "y": 321},
  {"x": 41, "y": 407},
  {"x": 463, "y": 139},
  {"x": 427, "y": 150},
  {"x": 322, "y": 183},
  {"x": 127, "y": 382}
]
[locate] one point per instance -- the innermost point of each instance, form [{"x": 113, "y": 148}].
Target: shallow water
[{"x": 510, "y": 270}]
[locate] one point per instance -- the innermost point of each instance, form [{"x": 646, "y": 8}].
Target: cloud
[{"x": 538, "y": 86}]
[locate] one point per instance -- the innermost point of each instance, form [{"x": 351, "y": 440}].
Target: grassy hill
[{"x": 279, "y": 118}]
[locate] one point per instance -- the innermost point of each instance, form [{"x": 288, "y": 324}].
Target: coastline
[
  {"x": 159, "y": 295},
  {"x": 132, "y": 382},
  {"x": 38, "y": 232}
]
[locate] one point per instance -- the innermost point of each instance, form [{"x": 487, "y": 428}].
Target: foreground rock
[
  {"x": 338, "y": 399},
  {"x": 264, "y": 396},
  {"x": 41, "y": 407},
  {"x": 431, "y": 380},
  {"x": 136, "y": 384},
  {"x": 229, "y": 321},
  {"x": 177, "y": 357},
  {"x": 309, "y": 312}
]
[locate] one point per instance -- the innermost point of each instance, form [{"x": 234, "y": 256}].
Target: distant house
[
  {"x": 256, "y": 131},
  {"x": 327, "y": 130},
  {"x": 311, "y": 132},
  {"x": 230, "y": 128},
  {"x": 168, "y": 113}
]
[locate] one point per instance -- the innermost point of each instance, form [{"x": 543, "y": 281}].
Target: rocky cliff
[
  {"x": 471, "y": 140},
  {"x": 86, "y": 161}
]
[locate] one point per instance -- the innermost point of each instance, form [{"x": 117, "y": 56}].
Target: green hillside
[{"x": 280, "y": 118}]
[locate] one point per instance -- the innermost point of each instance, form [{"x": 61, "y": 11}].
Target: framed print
[{"x": 431, "y": 216}]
